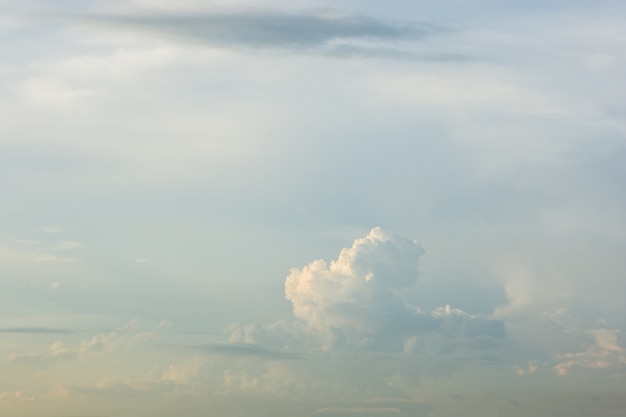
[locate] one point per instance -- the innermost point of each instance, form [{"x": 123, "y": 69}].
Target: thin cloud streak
[
  {"x": 282, "y": 31},
  {"x": 246, "y": 349},
  {"x": 34, "y": 330}
]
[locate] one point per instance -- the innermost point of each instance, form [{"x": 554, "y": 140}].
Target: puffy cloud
[
  {"x": 184, "y": 373},
  {"x": 291, "y": 336},
  {"x": 607, "y": 340},
  {"x": 531, "y": 368},
  {"x": 356, "y": 302},
  {"x": 604, "y": 353},
  {"x": 356, "y": 292}
]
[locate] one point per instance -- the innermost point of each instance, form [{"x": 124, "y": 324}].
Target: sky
[{"x": 312, "y": 209}]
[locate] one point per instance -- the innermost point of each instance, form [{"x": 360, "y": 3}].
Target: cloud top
[{"x": 357, "y": 289}]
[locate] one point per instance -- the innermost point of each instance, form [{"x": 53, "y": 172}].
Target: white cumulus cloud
[{"x": 356, "y": 302}]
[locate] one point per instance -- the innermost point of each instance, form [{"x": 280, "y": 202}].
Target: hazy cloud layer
[{"x": 172, "y": 164}]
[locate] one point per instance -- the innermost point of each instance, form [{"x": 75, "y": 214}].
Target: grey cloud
[
  {"x": 355, "y": 51},
  {"x": 247, "y": 349},
  {"x": 357, "y": 411},
  {"x": 456, "y": 322},
  {"x": 277, "y": 30},
  {"x": 60, "y": 351},
  {"x": 34, "y": 330},
  {"x": 469, "y": 347},
  {"x": 377, "y": 407}
]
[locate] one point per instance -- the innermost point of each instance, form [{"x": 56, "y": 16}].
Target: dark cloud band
[
  {"x": 246, "y": 349},
  {"x": 34, "y": 330},
  {"x": 271, "y": 29}
]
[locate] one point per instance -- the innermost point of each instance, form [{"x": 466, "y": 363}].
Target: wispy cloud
[
  {"x": 246, "y": 349},
  {"x": 15, "y": 396},
  {"x": 66, "y": 245},
  {"x": 34, "y": 330},
  {"x": 53, "y": 258},
  {"x": 59, "y": 351},
  {"x": 377, "y": 411},
  {"x": 334, "y": 34}
]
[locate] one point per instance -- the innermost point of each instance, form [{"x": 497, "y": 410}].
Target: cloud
[
  {"x": 47, "y": 250},
  {"x": 354, "y": 295},
  {"x": 357, "y": 411},
  {"x": 531, "y": 368},
  {"x": 34, "y": 330},
  {"x": 355, "y": 302},
  {"x": 378, "y": 407},
  {"x": 338, "y": 34},
  {"x": 66, "y": 245},
  {"x": 45, "y": 257},
  {"x": 286, "y": 336},
  {"x": 247, "y": 349},
  {"x": 604, "y": 353},
  {"x": 15, "y": 396},
  {"x": 85, "y": 76},
  {"x": 60, "y": 351}
]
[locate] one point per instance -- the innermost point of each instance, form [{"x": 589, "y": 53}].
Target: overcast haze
[{"x": 307, "y": 209}]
